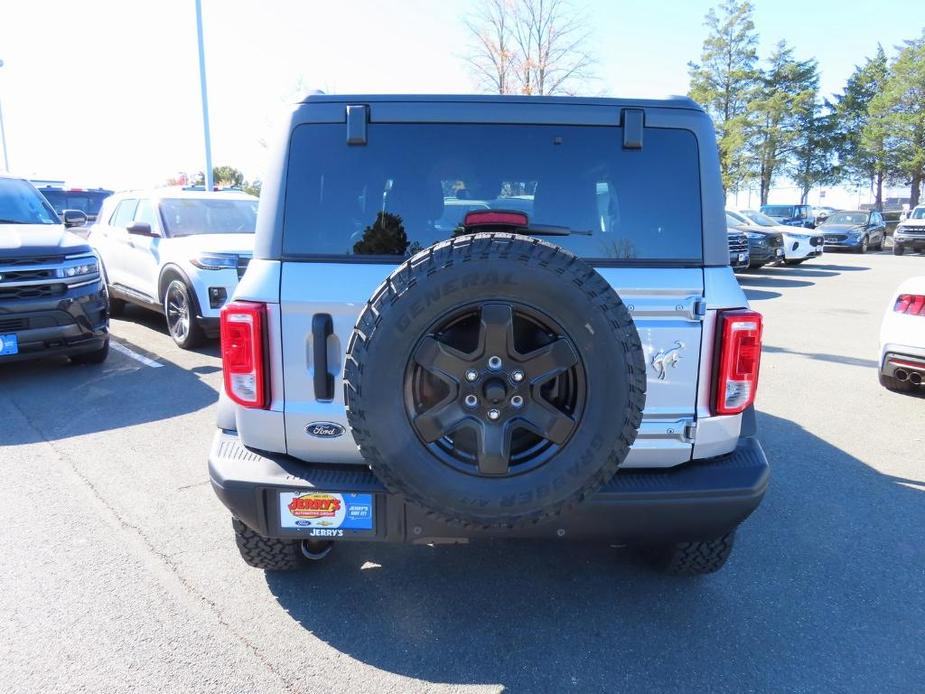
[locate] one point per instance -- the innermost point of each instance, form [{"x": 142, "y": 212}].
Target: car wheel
[
  {"x": 116, "y": 307},
  {"x": 691, "y": 558},
  {"x": 897, "y": 249},
  {"x": 181, "y": 318},
  {"x": 495, "y": 381},
  {"x": 864, "y": 246},
  {"x": 95, "y": 357}
]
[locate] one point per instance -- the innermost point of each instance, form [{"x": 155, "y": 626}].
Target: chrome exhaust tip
[
  {"x": 316, "y": 549},
  {"x": 915, "y": 378},
  {"x": 900, "y": 374}
]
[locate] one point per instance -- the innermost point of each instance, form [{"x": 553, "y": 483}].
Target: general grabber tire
[
  {"x": 691, "y": 558},
  {"x": 271, "y": 554},
  {"x": 495, "y": 380}
]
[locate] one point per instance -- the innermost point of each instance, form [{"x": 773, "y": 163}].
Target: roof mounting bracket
[
  {"x": 357, "y": 117},
  {"x": 633, "y": 125}
]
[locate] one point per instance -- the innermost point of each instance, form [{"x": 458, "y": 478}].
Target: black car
[
  {"x": 856, "y": 230},
  {"x": 763, "y": 246},
  {"x": 52, "y": 298}
]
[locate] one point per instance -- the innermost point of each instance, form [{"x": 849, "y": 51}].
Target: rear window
[
  {"x": 411, "y": 186},
  {"x": 88, "y": 202}
]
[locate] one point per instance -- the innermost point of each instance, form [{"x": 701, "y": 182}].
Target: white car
[
  {"x": 902, "y": 338},
  {"x": 799, "y": 243},
  {"x": 180, "y": 252}
]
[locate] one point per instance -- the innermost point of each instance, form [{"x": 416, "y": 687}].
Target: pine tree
[{"x": 724, "y": 82}]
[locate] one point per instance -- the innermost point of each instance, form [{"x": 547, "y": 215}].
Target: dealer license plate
[
  {"x": 324, "y": 514},
  {"x": 778, "y": 252},
  {"x": 8, "y": 345},
  {"x": 742, "y": 257}
]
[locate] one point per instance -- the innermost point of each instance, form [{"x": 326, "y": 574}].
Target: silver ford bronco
[{"x": 473, "y": 316}]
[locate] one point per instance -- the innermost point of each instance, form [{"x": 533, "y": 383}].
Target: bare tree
[{"x": 532, "y": 47}]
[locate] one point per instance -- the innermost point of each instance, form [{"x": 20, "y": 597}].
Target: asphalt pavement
[{"x": 119, "y": 571}]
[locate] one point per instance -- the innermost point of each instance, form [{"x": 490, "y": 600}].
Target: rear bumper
[
  {"x": 74, "y": 323},
  {"x": 697, "y": 501}
]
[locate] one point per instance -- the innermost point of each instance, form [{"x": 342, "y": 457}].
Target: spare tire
[{"x": 496, "y": 380}]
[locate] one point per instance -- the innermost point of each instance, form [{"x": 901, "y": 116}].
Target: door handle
[{"x": 322, "y": 329}]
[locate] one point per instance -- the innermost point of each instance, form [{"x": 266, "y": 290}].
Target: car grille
[
  {"x": 11, "y": 324},
  {"x": 33, "y": 260},
  {"x": 913, "y": 231},
  {"x": 776, "y": 241},
  {"x": 32, "y": 292},
  {"x": 835, "y": 238},
  {"x": 816, "y": 241},
  {"x": 243, "y": 261},
  {"x": 47, "y": 273},
  {"x": 738, "y": 243}
]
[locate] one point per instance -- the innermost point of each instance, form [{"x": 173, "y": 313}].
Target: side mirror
[
  {"x": 73, "y": 218},
  {"x": 140, "y": 229}
]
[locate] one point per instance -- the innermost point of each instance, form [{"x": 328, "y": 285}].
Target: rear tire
[
  {"x": 267, "y": 553},
  {"x": 897, "y": 249},
  {"x": 862, "y": 249},
  {"x": 97, "y": 357},
  {"x": 691, "y": 558}
]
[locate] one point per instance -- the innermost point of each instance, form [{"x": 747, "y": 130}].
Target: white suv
[{"x": 180, "y": 252}]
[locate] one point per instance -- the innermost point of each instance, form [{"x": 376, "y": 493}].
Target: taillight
[
  {"x": 910, "y": 304},
  {"x": 478, "y": 218},
  {"x": 242, "y": 333},
  {"x": 739, "y": 357}
]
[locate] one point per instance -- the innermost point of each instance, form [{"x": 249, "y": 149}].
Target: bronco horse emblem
[{"x": 663, "y": 359}]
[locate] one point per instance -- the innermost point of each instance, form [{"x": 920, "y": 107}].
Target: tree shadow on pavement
[
  {"x": 760, "y": 295},
  {"x": 824, "y": 591},
  {"x": 820, "y": 356},
  {"x": 61, "y": 400},
  {"x": 772, "y": 282}
]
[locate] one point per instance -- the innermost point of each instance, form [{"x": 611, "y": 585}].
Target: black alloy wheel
[{"x": 495, "y": 390}]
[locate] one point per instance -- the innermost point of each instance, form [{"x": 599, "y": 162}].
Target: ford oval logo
[{"x": 324, "y": 430}]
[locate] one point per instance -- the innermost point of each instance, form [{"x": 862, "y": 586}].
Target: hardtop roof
[{"x": 678, "y": 102}]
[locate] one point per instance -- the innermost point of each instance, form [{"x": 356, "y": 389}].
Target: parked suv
[
  {"x": 575, "y": 360},
  {"x": 857, "y": 231},
  {"x": 910, "y": 233},
  {"x": 52, "y": 298},
  {"x": 175, "y": 251},
  {"x": 791, "y": 215}
]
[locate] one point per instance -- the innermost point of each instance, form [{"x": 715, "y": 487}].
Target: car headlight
[
  {"x": 88, "y": 268},
  {"x": 215, "y": 261}
]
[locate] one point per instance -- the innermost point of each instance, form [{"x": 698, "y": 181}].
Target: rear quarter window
[{"x": 411, "y": 186}]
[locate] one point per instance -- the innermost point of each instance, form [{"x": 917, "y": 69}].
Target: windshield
[
  {"x": 411, "y": 185},
  {"x": 20, "y": 203},
  {"x": 918, "y": 213},
  {"x": 778, "y": 210},
  {"x": 188, "y": 216},
  {"x": 737, "y": 218},
  {"x": 847, "y": 218},
  {"x": 88, "y": 202},
  {"x": 760, "y": 219}
]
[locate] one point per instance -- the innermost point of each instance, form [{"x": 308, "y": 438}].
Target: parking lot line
[{"x": 119, "y": 347}]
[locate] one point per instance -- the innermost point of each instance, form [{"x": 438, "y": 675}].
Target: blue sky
[{"x": 104, "y": 92}]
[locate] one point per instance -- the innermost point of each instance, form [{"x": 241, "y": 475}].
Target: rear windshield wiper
[{"x": 553, "y": 230}]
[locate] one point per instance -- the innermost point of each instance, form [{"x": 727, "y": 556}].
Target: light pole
[
  {"x": 6, "y": 160},
  {"x": 205, "y": 98}
]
